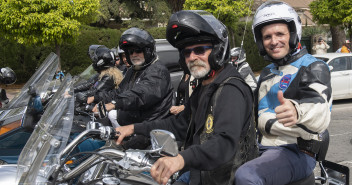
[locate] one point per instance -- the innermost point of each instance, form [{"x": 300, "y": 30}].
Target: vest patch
[
  {"x": 209, "y": 124},
  {"x": 285, "y": 81}
]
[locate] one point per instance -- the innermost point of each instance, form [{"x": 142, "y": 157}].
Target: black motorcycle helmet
[
  {"x": 7, "y": 76},
  {"x": 188, "y": 27},
  {"x": 116, "y": 55},
  {"x": 32, "y": 91},
  {"x": 102, "y": 57},
  {"x": 135, "y": 37}
]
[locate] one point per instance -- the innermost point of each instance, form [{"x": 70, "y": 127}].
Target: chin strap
[
  {"x": 145, "y": 65},
  {"x": 288, "y": 58},
  {"x": 211, "y": 74},
  {"x": 291, "y": 57}
]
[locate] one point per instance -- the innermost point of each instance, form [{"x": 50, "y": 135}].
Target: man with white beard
[{"x": 216, "y": 126}]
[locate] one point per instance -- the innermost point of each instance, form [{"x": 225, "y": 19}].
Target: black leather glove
[{"x": 81, "y": 98}]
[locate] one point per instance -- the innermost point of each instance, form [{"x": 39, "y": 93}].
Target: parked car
[
  {"x": 341, "y": 73},
  {"x": 169, "y": 56}
]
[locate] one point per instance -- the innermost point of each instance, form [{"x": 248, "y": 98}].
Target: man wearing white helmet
[
  {"x": 293, "y": 101},
  {"x": 238, "y": 59}
]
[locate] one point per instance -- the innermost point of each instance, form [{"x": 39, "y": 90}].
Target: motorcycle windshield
[
  {"x": 39, "y": 156},
  {"x": 40, "y": 80}
]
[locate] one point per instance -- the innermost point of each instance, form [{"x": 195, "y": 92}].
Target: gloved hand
[
  {"x": 136, "y": 142},
  {"x": 81, "y": 97}
]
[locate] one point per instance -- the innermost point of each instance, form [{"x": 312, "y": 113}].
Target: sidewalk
[{"x": 12, "y": 92}]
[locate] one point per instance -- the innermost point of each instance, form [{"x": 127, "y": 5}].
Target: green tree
[
  {"x": 227, "y": 11},
  {"x": 176, "y": 5},
  {"x": 110, "y": 11},
  {"x": 143, "y": 13},
  {"x": 336, "y": 13},
  {"x": 47, "y": 22}
]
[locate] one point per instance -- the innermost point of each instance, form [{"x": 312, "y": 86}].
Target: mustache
[{"x": 196, "y": 63}]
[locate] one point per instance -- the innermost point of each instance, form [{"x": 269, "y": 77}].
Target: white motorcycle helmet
[
  {"x": 276, "y": 12},
  {"x": 239, "y": 53}
]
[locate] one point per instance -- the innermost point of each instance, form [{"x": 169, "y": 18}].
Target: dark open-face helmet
[
  {"x": 137, "y": 38},
  {"x": 102, "y": 57},
  {"x": 7, "y": 76},
  {"x": 189, "y": 27}
]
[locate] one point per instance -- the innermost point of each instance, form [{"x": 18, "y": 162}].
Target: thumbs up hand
[{"x": 286, "y": 112}]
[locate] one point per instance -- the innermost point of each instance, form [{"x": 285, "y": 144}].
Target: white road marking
[{"x": 332, "y": 135}]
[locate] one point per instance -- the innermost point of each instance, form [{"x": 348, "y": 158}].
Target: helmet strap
[
  {"x": 210, "y": 74},
  {"x": 290, "y": 57}
]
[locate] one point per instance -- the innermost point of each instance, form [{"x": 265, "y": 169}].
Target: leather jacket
[
  {"x": 143, "y": 95},
  {"x": 305, "y": 81},
  {"x": 92, "y": 86},
  {"x": 213, "y": 159}
]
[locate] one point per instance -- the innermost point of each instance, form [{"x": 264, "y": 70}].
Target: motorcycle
[
  {"x": 47, "y": 159},
  {"x": 112, "y": 164},
  {"x": 13, "y": 136},
  {"x": 14, "y": 116}
]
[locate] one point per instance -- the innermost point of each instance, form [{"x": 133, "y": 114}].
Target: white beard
[
  {"x": 137, "y": 61},
  {"x": 198, "y": 68}
]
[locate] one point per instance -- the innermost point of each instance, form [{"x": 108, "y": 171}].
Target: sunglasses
[
  {"x": 131, "y": 51},
  {"x": 200, "y": 50}
]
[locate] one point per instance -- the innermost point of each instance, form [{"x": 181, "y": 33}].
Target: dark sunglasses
[
  {"x": 200, "y": 50},
  {"x": 131, "y": 51}
]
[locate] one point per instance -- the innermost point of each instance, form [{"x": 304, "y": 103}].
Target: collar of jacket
[
  {"x": 289, "y": 58},
  {"x": 227, "y": 71}
]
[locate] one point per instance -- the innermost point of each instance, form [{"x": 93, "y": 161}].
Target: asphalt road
[{"x": 340, "y": 129}]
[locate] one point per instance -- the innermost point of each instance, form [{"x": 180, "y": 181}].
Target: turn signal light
[{"x": 7, "y": 128}]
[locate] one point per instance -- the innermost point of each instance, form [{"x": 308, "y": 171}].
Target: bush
[
  {"x": 25, "y": 59},
  {"x": 74, "y": 57},
  {"x": 158, "y": 33}
]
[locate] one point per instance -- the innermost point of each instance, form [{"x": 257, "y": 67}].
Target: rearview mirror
[{"x": 164, "y": 141}]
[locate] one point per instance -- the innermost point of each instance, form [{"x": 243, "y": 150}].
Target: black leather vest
[{"x": 247, "y": 150}]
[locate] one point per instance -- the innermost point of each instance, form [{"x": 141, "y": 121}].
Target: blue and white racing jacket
[{"x": 305, "y": 81}]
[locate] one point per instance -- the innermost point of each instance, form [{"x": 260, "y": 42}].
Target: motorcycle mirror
[{"x": 165, "y": 142}]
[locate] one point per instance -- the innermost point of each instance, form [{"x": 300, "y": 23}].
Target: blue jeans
[
  {"x": 276, "y": 165},
  {"x": 185, "y": 177}
]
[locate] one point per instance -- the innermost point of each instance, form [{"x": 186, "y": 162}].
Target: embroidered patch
[
  {"x": 285, "y": 81},
  {"x": 209, "y": 124}
]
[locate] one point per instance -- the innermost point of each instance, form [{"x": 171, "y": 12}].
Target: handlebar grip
[{"x": 114, "y": 134}]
